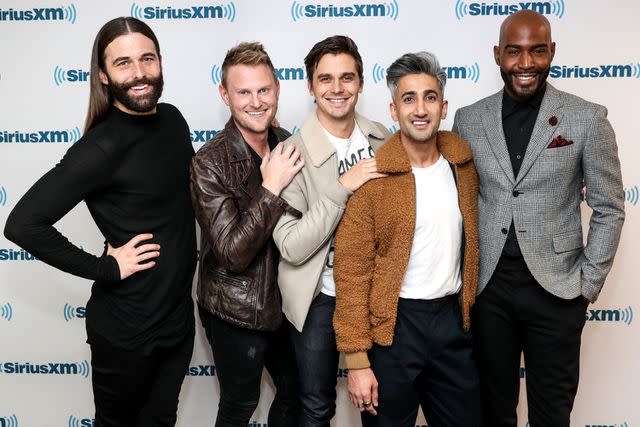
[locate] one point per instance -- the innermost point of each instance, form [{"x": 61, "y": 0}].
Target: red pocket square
[{"x": 559, "y": 141}]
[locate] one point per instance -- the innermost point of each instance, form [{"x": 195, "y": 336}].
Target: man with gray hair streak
[{"x": 406, "y": 263}]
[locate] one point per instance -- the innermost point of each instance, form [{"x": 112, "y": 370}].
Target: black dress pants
[
  {"x": 514, "y": 314},
  {"x": 240, "y": 355},
  {"x": 430, "y": 363},
  {"x": 132, "y": 389}
]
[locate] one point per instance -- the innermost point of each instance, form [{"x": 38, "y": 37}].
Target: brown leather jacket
[{"x": 239, "y": 261}]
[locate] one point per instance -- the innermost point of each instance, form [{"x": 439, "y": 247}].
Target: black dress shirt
[{"x": 518, "y": 120}]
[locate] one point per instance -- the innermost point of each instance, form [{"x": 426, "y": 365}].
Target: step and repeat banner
[{"x": 44, "y": 71}]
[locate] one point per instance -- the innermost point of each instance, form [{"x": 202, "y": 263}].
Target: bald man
[{"x": 535, "y": 149}]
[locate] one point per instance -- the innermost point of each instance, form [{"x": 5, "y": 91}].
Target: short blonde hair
[{"x": 247, "y": 53}]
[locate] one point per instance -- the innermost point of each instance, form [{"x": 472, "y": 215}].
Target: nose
[
  {"x": 336, "y": 86},
  {"x": 138, "y": 70},
  {"x": 255, "y": 100},
  {"x": 525, "y": 61},
  {"x": 421, "y": 109}
]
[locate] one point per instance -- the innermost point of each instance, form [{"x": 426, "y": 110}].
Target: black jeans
[
  {"x": 514, "y": 314},
  {"x": 317, "y": 359},
  {"x": 430, "y": 363},
  {"x": 240, "y": 355},
  {"x": 131, "y": 389}
]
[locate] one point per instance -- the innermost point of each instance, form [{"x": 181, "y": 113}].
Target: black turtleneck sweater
[{"x": 133, "y": 173}]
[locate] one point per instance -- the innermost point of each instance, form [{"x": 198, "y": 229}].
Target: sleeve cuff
[
  {"x": 338, "y": 194},
  {"x": 357, "y": 360}
]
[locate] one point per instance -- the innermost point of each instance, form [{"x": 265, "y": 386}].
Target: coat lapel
[
  {"x": 492, "y": 122},
  {"x": 542, "y": 131}
]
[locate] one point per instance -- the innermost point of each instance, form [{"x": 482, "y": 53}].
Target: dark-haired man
[
  {"x": 535, "y": 148},
  {"x": 236, "y": 181},
  {"x": 132, "y": 169},
  {"x": 337, "y": 145}
]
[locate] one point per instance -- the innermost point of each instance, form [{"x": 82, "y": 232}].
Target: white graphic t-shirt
[{"x": 348, "y": 151}]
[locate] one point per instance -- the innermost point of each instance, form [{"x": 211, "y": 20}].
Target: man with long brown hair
[{"x": 132, "y": 169}]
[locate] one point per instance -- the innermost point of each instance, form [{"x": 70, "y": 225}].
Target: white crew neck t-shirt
[
  {"x": 433, "y": 270},
  {"x": 348, "y": 152}
]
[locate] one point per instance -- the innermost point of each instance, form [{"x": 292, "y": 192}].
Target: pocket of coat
[
  {"x": 568, "y": 241},
  {"x": 231, "y": 279}
]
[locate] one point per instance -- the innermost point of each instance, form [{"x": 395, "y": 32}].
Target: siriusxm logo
[
  {"x": 9, "y": 421},
  {"x": 40, "y": 136},
  {"x": 393, "y": 128},
  {"x": 3, "y": 196},
  {"x": 354, "y": 10},
  {"x": 224, "y": 11},
  {"x": 630, "y": 195},
  {"x": 16, "y": 255},
  {"x": 51, "y": 368},
  {"x": 66, "y": 13},
  {"x": 624, "y": 315},
  {"x": 342, "y": 373},
  {"x": 6, "y": 312},
  {"x": 60, "y": 75},
  {"x": 203, "y": 135},
  {"x": 80, "y": 422},
  {"x": 599, "y": 71},
  {"x": 201, "y": 371},
  {"x": 465, "y": 72},
  {"x": 472, "y": 8},
  {"x": 293, "y": 73},
  {"x": 624, "y": 424},
  {"x": 70, "y": 312}
]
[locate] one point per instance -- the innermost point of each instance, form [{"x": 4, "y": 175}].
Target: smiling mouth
[
  {"x": 256, "y": 113},
  {"x": 420, "y": 123},
  {"x": 338, "y": 102},
  {"x": 524, "y": 78}
]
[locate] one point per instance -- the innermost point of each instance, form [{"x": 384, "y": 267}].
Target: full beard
[{"x": 139, "y": 104}]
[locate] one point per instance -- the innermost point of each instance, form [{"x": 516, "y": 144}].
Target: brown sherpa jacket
[{"x": 373, "y": 243}]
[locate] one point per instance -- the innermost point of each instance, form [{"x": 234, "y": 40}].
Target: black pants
[
  {"x": 240, "y": 355},
  {"x": 514, "y": 314},
  {"x": 317, "y": 359},
  {"x": 131, "y": 389},
  {"x": 430, "y": 363}
]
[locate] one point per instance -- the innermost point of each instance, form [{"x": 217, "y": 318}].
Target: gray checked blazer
[{"x": 572, "y": 144}]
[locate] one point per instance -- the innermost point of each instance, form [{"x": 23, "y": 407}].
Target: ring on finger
[{"x": 365, "y": 404}]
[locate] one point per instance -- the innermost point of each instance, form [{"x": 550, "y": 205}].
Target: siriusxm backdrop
[{"x": 45, "y": 48}]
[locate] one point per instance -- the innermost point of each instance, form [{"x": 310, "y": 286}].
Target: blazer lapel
[
  {"x": 492, "y": 122},
  {"x": 542, "y": 130}
]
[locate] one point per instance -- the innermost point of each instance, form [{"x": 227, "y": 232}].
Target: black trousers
[
  {"x": 430, "y": 364},
  {"x": 240, "y": 355},
  {"x": 514, "y": 314},
  {"x": 132, "y": 389}
]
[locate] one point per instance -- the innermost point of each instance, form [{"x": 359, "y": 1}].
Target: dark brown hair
[
  {"x": 333, "y": 45},
  {"x": 100, "y": 98},
  {"x": 248, "y": 54}
]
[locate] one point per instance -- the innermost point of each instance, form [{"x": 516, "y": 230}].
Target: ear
[
  {"x": 361, "y": 85},
  {"x": 103, "y": 78},
  {"x": 553, "y": 50},
  {"x": 309, "y": 87},
  {"x": 224, "y": 94},
  {"x": 445, "y": 107},
  {"x": 496, "y": 55},
  {"x": 277, "y": 89},
  {"x": 394, "y": 112}
]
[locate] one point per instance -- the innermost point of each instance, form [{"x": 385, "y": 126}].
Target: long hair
[{"x": 100, "y": 97}]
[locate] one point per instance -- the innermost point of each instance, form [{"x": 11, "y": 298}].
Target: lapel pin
[{"x": 553, "y": 120}]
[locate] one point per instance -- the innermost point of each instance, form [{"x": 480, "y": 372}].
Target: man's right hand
[
  {"x": 129, "y": 256},
  {"x": 363, "y": 389},
  {"x": 279, "y": 167},
  {"x": 360, "y": 173}
]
